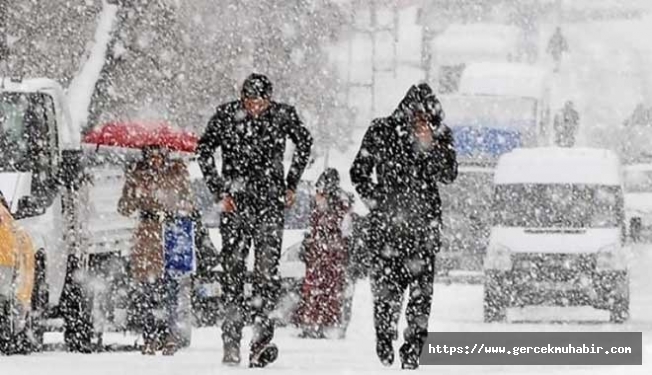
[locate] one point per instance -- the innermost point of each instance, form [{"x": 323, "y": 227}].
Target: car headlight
[
  {"x": 498, "y": 257},
  {"x": 611, "y": 258}
]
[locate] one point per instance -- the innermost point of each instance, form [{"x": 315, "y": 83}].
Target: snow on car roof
[
  {"x": 552, "y": 165},
  {"x": 492, "y": 78}
]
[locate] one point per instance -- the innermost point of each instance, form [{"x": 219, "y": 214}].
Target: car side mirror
[{"x": 28, "y": 207}]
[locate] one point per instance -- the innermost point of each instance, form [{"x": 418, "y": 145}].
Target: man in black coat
[
  {"x": 411, "y": 152},
  {"x": 253, "y": 192}
]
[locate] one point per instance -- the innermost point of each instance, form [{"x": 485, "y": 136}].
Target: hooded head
[
  {"x": 420, "y": 100},
  {"x": 329, "y": 182}
]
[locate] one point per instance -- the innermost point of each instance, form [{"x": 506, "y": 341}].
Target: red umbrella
[{"x": 140, "y": 135}]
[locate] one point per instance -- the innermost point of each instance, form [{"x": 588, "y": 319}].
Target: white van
[
  {"x": 558, "y": 232},
  {"x": 500, "y": 107}
]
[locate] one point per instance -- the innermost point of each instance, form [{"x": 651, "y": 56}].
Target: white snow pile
[{"x": 82, "y": 86}]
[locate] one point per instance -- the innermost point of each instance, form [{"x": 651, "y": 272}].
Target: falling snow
[{"x": 393, "y": 167}]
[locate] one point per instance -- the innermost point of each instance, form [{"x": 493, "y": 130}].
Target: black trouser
[
  {"x": 404, "y": 259},
  {"x": 259, "y": 225}
]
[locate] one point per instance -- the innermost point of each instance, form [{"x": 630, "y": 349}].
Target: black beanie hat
[{"x": 257, "y": 86}]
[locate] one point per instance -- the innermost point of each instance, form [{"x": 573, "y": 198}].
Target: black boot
[
  {"x": 385, "y": 350},
  {"x": 409, "y": 356},
  {"x": 231, "y": 354},
  {"x": 262, "y": 355}
]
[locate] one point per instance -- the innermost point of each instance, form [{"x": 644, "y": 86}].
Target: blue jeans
[{"x": 162, "y": 294}]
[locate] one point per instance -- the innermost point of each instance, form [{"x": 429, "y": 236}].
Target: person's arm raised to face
[{"x": 441, "y": 160}]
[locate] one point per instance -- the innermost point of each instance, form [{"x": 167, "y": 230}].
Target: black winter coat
[
  {"x": 253, "y": 150},
  {"x": 406, "y": 176}
]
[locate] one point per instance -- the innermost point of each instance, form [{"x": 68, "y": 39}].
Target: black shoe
[
  {"x": 409, "y": 357},
  {"x": 385, "y": 351},
  {"x": 231, "y": 355},
  {"x": 263, "y": 356},
  {"x": 312, "y": 333}
]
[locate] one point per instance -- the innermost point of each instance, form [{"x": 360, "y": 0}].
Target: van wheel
[
  {"x": 494, "y": 310},
  {"x": 494, "y": 305},
  {"x": 5, "y": 326},
  {"x": 11, "y": 341},
  {"x": 619, "y": 312}
]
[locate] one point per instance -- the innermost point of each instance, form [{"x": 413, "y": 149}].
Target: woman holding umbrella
[{"x": 159, "y": 190}]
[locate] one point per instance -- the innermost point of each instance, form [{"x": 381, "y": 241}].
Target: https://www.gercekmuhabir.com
[
  {"x": 549, "y": 349},
  {"x": 533, "y": 348}
]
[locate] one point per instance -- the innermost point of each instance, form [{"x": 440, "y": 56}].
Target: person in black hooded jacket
[
  {"x": 253, "y": 192},
  {"x": 411, "y": 152}
]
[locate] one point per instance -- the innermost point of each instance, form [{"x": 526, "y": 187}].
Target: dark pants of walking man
[
  {"x": 405, "y": 263},
  {"x": 260, "y": 224}
]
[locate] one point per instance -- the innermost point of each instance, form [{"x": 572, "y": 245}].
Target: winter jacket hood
[
  {"x": 405, "y": 173},
  {"x": 419, "y": 99}
]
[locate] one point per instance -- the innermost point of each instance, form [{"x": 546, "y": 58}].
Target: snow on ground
[
  {"x": 456, "y": 307},
  {"x": 81, "y": 88}
]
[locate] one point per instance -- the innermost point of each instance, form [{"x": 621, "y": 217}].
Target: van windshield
[{"x": 557, "y": 206}]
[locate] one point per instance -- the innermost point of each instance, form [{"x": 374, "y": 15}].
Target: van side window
[
  {"x": 51, "y": 120},
  {"x": 39, "y": 150}
]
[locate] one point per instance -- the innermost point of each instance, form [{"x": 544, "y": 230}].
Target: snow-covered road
[{"x": 456, "y": 308}]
